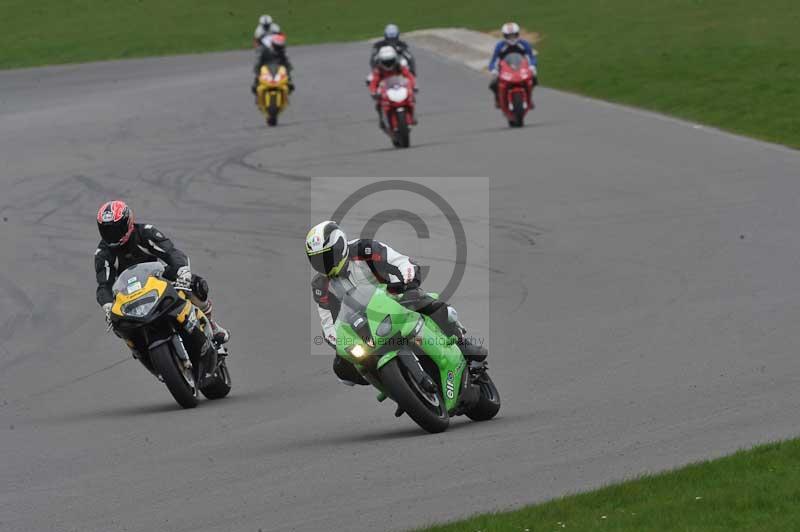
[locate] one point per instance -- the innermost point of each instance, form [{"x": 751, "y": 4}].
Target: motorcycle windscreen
[
  {"x": 514, "y": 61},
  {"x": 396, "y": 81},
  {"x": 354, "y": 298},
  {"x": 274, "y": 68},
  {"x": 135, "y": 277}
]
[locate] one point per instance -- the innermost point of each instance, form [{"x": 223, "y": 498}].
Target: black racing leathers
[
  {"x": 146, "y": 244},
  {"x": 267, "y": 54}
]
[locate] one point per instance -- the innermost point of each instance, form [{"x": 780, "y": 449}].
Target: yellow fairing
[
  {"x": 273, "y": 88},
  {"x": 184, "y": 312},
  {"x": 153, "y": 283}
]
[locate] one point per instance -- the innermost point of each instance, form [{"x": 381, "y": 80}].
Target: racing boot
[
  {"x": 347, "y": 372},
  {"x": 493, "y": 88},
  {"x": 221, "y": 335},
  {"x": 472, "y": 351}
]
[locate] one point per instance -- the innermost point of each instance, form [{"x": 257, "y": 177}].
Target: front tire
[
  {"x": 402, "y": 134},
  {"x": 179, "y": 381},
  {"x": 272, "y": 109},
  {"x": 517, "y": 110},
  {"x": 220, "y": 385},
  {"x": 489, "y": 403},
  {"x": 427, "y": 410}
]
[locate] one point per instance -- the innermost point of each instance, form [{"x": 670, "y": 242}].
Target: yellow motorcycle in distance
[{"x": 273, "y": 91}]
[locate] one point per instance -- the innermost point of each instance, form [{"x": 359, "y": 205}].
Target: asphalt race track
[{"x": 644, "y": 299}]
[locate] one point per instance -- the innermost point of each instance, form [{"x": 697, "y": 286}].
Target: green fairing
[{"x": 440, "y": 348}]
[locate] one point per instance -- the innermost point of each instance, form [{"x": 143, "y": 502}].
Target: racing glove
[
  {"x": 183, "y": 278},
  {"x": 107, "y": 310}
]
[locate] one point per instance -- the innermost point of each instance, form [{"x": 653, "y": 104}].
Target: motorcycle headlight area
[
  {"x": 358, "y": 351},
  {"x": 397, "y": 94},
  {"x": 142, "y": 306}
]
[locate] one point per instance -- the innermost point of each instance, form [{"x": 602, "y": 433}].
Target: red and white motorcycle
[
  {"x": 515, "y": 82},
  {"x": 396, "y": 100}
]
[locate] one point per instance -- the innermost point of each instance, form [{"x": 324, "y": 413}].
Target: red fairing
[
  {"x": 511, "y": 80},
  {"x": 379, "y": 74}
]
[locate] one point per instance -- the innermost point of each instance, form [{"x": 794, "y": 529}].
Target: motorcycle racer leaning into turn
[
  {"x": 125, "y": 243},
  {"x": 370, "y": 261}
]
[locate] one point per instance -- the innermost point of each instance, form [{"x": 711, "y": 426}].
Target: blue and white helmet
[
  {"x": 391, "y": 32},
  {"x": 265, "y": 20}
]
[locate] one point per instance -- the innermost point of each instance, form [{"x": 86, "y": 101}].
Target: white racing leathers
[{"x": 371, "y": 262}]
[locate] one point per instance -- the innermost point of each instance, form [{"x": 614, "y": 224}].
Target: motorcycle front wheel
[
  {"x": 426, "y": 409},
  {"x": 402, "y": 134},
  {"x": 178, "y": 379},
  {"x": 517, "y": 110}
]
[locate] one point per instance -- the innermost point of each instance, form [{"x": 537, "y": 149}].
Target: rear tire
[
  {"x": 428, "y": 416},
  {"x": 402, "y": 135},
  {"x": 168, "y": 365},
  {"x": 489, "y": 403},
  {"x": 220, "y": 385},
  {"x": 517, "y": 110}
]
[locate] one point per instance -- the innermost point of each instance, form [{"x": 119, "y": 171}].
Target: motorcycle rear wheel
[
  {"x": 168, "y": 365},
  {"x": 489, "y": 403},
  {"x": 220, "y": 385},
  {"x": 427, "y": 410}
]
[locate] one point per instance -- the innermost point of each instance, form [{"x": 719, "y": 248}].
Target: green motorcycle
[{"x": 408, "y": 358}]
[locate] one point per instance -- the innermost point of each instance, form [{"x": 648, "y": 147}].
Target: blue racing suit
[{"x": 503, "y": 48}]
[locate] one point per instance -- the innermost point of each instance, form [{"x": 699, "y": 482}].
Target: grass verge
[
  {"x": 754, "y": 490},
  {"x": 734, "y": 64}
]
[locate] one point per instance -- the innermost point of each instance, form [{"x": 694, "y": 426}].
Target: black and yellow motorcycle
[{"x": 169, "y": 335}]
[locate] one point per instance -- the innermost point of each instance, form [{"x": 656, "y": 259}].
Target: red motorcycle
[
  {"x": 514, "y": 87},
  {"x": 396, "y": 96}
]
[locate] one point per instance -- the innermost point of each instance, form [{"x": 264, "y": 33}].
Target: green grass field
[
  {"x": 734, "y": 64},
  {"x": 755, "y": 490}
]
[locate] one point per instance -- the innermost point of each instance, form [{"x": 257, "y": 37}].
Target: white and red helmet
[
  {"x": 115, "y": 223},
  {"x": 510, "y": 32}
]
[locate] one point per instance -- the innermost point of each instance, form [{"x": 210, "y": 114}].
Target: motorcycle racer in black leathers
[
  {"x": 371, "y": 261},
  {"x": 125, "y": 243}
]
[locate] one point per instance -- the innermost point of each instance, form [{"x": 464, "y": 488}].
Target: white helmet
[
  {"x": 510, "y": 32},
  {"x": 387, "y": 57},
  {"x": 327, "y": 249},
  {"x": 265, "y": 20}
]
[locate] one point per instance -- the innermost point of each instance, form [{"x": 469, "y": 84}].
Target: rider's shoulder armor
[
  {"x": 367, "y": 249},
  {"x": 319, "y": 290},
  {"x": 149, "y": 232}
]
